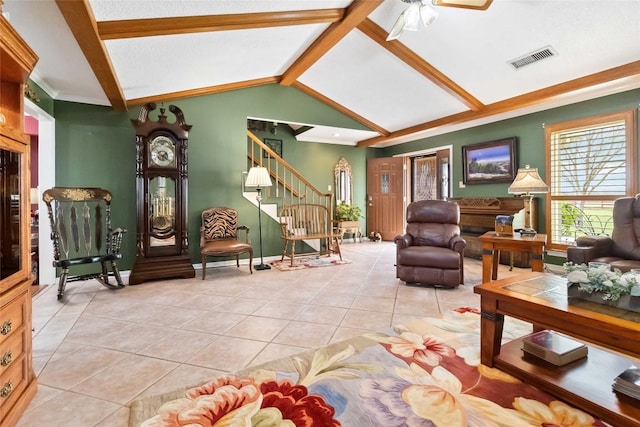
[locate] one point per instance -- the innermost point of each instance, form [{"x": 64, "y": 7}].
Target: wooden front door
[{"x": 385, "y": 196}]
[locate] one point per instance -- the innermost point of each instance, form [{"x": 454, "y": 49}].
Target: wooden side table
[{"x": 492, "y": 244}]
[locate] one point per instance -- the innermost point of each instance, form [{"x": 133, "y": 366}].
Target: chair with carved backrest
[
  {"x": 81, "y": 231},
  {"x": 219, "y": 237}
]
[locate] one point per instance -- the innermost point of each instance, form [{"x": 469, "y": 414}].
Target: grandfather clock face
[{"x": 161, "y": 191}]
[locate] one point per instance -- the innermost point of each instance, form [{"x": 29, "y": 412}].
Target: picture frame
[
  {"x": 275, "y": 145},
  {"x": 490, "y": 162}
]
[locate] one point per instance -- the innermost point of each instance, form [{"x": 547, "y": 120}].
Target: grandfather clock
[{"x": 162, "y": 244}]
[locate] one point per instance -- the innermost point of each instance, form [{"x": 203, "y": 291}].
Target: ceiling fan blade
[
  {"x": 465, "y": 4},
  {"x": 396, "y": 31}
]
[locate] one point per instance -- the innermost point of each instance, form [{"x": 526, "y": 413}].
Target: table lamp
[{"x": 528, "y": 182}]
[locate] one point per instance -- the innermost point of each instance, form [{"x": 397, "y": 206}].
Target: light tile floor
[{"x": 100, "y": 349}]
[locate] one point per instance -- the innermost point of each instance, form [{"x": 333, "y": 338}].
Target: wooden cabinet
[
  {"x": 17, "y": 379},
  {"x": 478, "y": 215}
]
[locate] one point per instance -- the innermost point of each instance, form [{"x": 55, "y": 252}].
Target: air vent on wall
[{"x": 530, "y": 58}]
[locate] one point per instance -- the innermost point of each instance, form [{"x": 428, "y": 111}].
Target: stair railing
[{"x": 289, "y": 184}]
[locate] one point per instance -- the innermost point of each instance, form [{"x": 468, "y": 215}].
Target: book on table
[
  {"x": 554, "y": 347},
  {"x": 628, "y": 382}
]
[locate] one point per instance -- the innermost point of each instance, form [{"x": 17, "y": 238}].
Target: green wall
[
  {"x": 529, "y": 130},
  {"x": 95, "y": 146}
]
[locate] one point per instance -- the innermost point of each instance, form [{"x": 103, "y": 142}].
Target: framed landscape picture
[
  {"x": 490, "y": 162},
  {"x": 275, "y": 145}
]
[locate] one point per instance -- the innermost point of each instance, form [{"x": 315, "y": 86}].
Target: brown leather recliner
[
  {"x": 431, "y": 251},
  {"x": 622, "y": 249}
]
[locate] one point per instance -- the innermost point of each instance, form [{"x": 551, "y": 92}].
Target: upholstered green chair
[{"x": 219, "y": 237}]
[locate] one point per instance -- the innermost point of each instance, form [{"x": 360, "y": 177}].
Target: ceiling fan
[{"x": 421, "y": 10}]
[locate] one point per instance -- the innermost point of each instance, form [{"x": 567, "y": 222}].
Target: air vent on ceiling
[{"x": 530, "y": 58}]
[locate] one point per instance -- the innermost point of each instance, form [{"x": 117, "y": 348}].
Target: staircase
[{"x": 289, "y": 186}]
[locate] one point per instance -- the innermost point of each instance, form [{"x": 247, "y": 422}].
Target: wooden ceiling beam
[
  {"x": 515, "y": 103},
  {"x": 379, "y": 35},
  {"x": 354, "y": 15},
  {"x": 203, "y": 91},
  {"x": 130, "y": 28},
  {"x": 340, "y": 108},
  {"x": 82, "y": 24}
]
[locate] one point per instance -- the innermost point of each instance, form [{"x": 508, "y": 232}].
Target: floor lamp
[
  {"x": 528, "y": 182},
  {"x": 259, "y": 177}
]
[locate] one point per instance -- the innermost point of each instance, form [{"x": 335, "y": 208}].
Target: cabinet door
[{"x": 14, "y": 241}]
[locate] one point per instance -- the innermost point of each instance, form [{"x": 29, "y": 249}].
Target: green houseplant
[{"x": 348, "y": 212}]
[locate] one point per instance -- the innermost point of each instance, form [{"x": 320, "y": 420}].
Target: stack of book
[
  {"x": 628, "y": 382},
  {"x": 554, "y": 347}
]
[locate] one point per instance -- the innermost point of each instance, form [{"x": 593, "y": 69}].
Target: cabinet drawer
[
  {"x": 11, "y": 351},
  {"x": 12, "y": 384},
  {"x": 12, "y": 316}
]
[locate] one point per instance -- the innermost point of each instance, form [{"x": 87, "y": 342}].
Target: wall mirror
[{"x": 344, "y": 182}]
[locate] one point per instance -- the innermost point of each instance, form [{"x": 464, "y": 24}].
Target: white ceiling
[{"x": 359, "y": 73}]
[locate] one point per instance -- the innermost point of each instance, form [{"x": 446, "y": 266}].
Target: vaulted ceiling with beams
[{"x": 456, "y": 72}]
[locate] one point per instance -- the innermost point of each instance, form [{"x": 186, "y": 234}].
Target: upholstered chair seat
[
  {"x": 431, "y": 251},
  {"x": 219, "y": 237},
  {"x": 622, "y": 249}
]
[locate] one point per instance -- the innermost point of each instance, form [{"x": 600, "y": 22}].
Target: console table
[{"x": 541, "y": 299}]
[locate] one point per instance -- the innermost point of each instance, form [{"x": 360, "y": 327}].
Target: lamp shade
[
  {"x": 528, "y": 181},
  {"x": 33, "y": 196},
  {"x": 258, "y": 177}
]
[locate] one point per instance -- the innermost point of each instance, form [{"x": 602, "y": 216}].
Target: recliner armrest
[
  {"x": 588, "y": 248},
  {"x": 403, "y": 241},
  {"x": 600, "y": 241},
  {"x": 457, "y": 243}
]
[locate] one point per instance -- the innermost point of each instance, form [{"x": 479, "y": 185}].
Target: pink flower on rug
[
  {"x": 226, "y": 398},
  {"x": 239, "y": 401},
  {"x": 426, "y": 349}
]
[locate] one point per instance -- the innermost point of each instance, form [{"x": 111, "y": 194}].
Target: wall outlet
[
  {"x": 461, "y": 184},
  {"x": 329, "y": 187}
]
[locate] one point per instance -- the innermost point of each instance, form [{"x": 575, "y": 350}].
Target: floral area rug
[
  {"x": 425, "y": 372},
  {"x": 308, "y": 261}
]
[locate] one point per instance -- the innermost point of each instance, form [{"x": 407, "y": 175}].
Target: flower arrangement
[{"x": 600, "y": 279}]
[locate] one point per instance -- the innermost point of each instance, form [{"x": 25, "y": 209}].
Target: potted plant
[
  {"x": 348, "y": 212},
  {"x": 347, "y": 219}
]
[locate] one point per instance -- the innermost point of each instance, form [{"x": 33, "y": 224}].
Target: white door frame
[{"x": 46, "y": 179}]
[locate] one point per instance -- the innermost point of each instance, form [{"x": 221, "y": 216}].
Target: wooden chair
[
  {"x": 219, "y": 237},
  {"x": 81, "y": 231}
]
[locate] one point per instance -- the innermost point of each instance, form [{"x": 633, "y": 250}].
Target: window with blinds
[{"x": 590, "y": 163}]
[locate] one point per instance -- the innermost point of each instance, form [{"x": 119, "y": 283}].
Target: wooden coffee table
[{"x": 541, "y": 299}]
